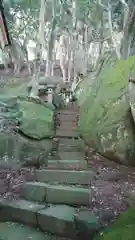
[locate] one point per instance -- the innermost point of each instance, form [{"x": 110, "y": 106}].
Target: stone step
[
  {"x": 67, "y": 112},
  {"x": 67, "y": 134},
  {"x": 56, "y": 194},
  {"x": 63, "y": 127},
  {"x": 15, "y": 230},
  {"x": 72, "y": 155},
  {"x": 20, "y": 211},
  {"x": 65, "y": 176},
  {"x": 64, "y": 117},
  {"x": 67, "y": 164},
  {"x": 71, "y": 145},
  {"x": 69, "y": 123},
  {"x": 58, "y": 219}
]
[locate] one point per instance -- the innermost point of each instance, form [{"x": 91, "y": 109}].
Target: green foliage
[{"x": 123, "y": 229}]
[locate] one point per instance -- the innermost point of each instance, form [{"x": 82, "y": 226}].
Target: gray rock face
[
  {"x": 86, "y": 224},
  {"x": 17, "y": 149},
  {"x": 36, "y": 121},
  {"x": 109, "y": 126},
  {"x": 10, "y": 113}
]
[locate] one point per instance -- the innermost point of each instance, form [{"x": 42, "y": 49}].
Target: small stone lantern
[{"x": 50, "y": 93}]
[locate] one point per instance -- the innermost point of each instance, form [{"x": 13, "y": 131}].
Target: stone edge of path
[
  {"x": 82, "y": 177},
  {"x": 54, "y": 219},
  {"x": 56, "y": 194}
]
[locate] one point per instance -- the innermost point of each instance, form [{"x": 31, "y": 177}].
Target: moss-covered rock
[
  {"x": 36, "y": 124},
  {"x": 109, "y": 127},
  {"x": 37, "y": 120},
  {"x": 15, "y": 231},
  {"x": 123, "y": 229},
  {"x": 17, "y": 149},
  {"x": 9, "y": 111}
]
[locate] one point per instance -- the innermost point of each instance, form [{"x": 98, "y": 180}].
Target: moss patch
[
  {"x": 37, "y": 120},
  {"x": 123, "y": 229},
  {"x": 108, "y": 123}
]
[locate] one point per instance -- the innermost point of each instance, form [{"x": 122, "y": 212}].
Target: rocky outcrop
[
  {"x": 35, "y": 122},
  {"x": 106, "y": 121}
]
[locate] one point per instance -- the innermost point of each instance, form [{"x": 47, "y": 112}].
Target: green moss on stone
[
  {"x": 108, "y": 124},
  {"x": 37, "y": 120}
]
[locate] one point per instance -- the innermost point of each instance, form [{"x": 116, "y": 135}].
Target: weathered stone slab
[
  {"x": 72, "y": 156},
  {"x": 57, "y": 220},
  {"x": 86, "y": 223},
  {"x": 15, "y": 231},
  {"x": 67, "y": 164},
  {"x": 66, "y": 117},
  {"x": 67, "y": 112},
  {"x": 59, "y": 194},
  {"x": 20, "y": 211},
  {"x": 65, "y": 176},
  {"x": 68, "y": 133},
  {"x": 64, "y": 127},
  {"x": 71, "y": 145},
  {"x": 17, "y": 149},
  {"x": 34, "y": 191}
]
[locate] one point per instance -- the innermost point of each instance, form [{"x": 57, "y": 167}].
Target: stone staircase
[{"x": 54, "y": 201}]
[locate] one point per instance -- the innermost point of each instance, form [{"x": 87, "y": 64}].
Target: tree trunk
[{"x": 51, "y": 41}]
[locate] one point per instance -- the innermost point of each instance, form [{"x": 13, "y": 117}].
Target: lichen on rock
[{"x": 109, "y": 127}]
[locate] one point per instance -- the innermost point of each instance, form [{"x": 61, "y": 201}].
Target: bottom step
[
  {"x": 61, "y": 220},
  {"x": 53, "y": 219},
  {"x": 22, "y": 232}
]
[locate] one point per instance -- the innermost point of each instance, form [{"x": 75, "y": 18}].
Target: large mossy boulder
[
  {"x": 123, "y": 229},
  {"x": 106, "y": 121},
  {"x": 15, "y": 149},
  {"x": 37, "y": 120},
  {"x": 10, "y": 113}
]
